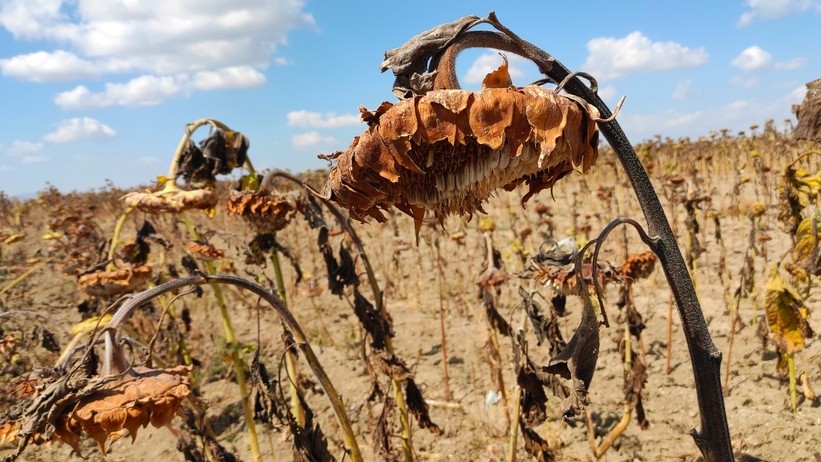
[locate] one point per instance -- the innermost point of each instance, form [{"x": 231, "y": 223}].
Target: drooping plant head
[
  {"x": 447, "y": 150},
  {"x": 218, "y": 154}
]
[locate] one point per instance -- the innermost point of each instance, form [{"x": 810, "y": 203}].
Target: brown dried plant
[{"x": 449, "y": 150}]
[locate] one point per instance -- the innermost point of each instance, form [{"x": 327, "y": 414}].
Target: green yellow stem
[
  {"x": 233, "y": 346},
  {"x": 290, "y": 357},
  {"x": 115, "y": 238},
  {"x": 793, "y": 391},
  {"x": 31, "y": 270},
  {"x": 398, "y": 395}
]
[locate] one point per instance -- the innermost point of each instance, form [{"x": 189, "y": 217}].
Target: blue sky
[{"x": 101, "y": 89}]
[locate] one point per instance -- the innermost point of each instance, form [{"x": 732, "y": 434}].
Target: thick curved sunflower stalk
[{"x": 446, "y": 150}]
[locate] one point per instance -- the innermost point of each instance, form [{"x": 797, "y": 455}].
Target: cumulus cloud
[
  {"x": 304, "y": 118},
  {"x": 774, "y": 9},
  {"x": 684, "y": 90},
  {"x": 611, "y": 57},
  {"x": 310, "y": 139},
  {"x": 736, "y": 116},
  {"x": 489, "y": 62},
  {"x": 791, "y": 64},
  {"x": 608, "y": 94},
  {"x": 228, "y": 77},
  {"x": 45, "y": 66},
  {"x": 744, "y": 81},
  {"x": 146, "y": 90},
  {"x": 34, "y": 159},
  {"x": 80, "y": 129},
  {"x": 752, "y": 59},
  {"x": 20, "y": 148},
  {"x": 210, "y": 45}
]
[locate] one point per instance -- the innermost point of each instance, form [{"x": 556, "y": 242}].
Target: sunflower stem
[
  {"x": 115, "y": 238},
  {"x": 290, "y": 357},
  {"x": 793, "y": 391},
  {"x": 234, "y": 349}
]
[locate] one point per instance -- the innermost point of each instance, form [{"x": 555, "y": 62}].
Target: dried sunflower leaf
[
  {"x": 577, "y": 362},
  {"x": 787, "y": 315}
]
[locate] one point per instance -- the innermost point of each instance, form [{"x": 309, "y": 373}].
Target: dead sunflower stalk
[{"x": 447, "y": 150}]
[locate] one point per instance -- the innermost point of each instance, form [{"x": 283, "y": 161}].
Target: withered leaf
[
  {"x": 535, "y": 445},
  {"x": 493, "y": 316},
  {"x": 341, "y": 273},
  {"x": 786, "y": 315},
  {"x": 381, "y": 433},
  {"x": 378, "y": 328},
  {"x": 577, "y": 362},
  {"x": 224, "y": 151},
  {"x": 500, "y": 78},
  {"x": 263, "y": 392},
  {"x": 396, "y": 369},
  {"x": 533, "y": 401},
  {"x": 419, "y": 408},
  {"x": 409, "y": 62}
]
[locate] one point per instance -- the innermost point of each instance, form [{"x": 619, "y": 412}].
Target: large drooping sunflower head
[{"x": 448, "y": 150}]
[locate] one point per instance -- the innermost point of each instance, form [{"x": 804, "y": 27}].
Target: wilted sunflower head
[{"x": 449, "y": 150}]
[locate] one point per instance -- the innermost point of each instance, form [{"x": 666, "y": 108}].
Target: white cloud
[
  {"x": 752, "y": 59},
  {"x": 146, "y": 90},
  {"x": 684, "y": 90},
  {"x": 80, "y": 129},
  {"x": 489, "y": 62},
  {"x": 791, "y": 64},
  {"x": 735, "y": 116},
  {"x": 228, "y": 77},
  {"x": 24, "y": 148},
  {"x": 160, "y": 36},
  {"x": 304, "y": 118},
  {"x": 177, "y": 45},
  {"x": 44, "y": 66},
  {"x": 34, "y": 159},
  {"x": 744, "y": 81},
  {"x": 608, "y": 94},
  {"x": 612, "y": 57},
  {"x": 774, "y": 9},
  {"x": 5, "y": 168},
  {"x": 312, "y": 138}
]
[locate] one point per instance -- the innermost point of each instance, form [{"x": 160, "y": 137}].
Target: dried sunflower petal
[
  {"x": 175, "y": 201},
  {"x": 119, "y": 281},
  {"x": 449, "y": 150},
  {"x": 266, "y": 212},
  {"x": 204, "y": 251},
  {"x": 127, "y": 403}
]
